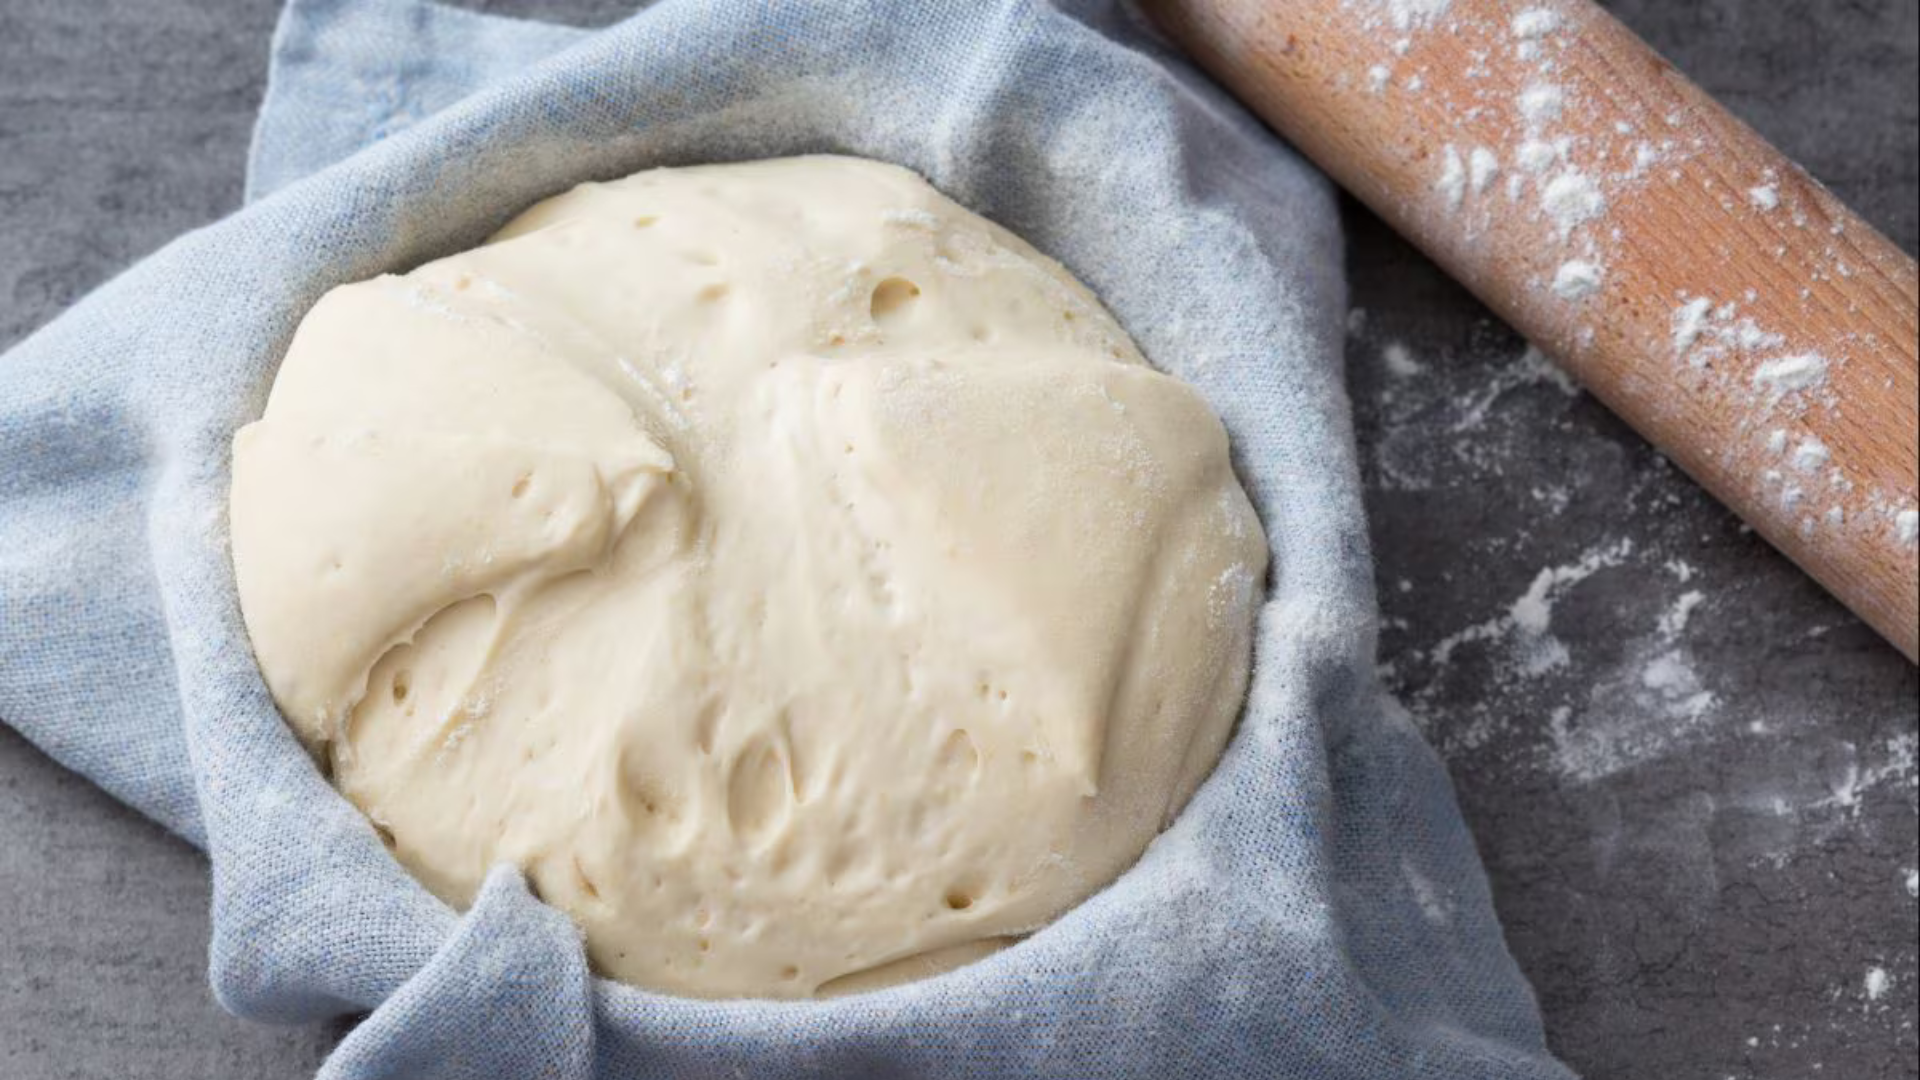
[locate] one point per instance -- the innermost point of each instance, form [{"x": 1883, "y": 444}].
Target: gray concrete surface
[{"x": 1697, "y": 870}]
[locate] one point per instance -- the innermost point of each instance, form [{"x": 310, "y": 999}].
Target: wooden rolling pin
[{"x": 1696, "y": 281}]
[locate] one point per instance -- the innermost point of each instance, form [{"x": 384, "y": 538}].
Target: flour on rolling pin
[
  {"x": 1693, "y": 278},
  {"x": 1546, "y": 155}
]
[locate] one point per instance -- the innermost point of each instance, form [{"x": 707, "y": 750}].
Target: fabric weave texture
[{"x": 1318, "y": 910}]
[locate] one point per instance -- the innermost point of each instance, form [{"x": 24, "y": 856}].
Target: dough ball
[{"x": 806, "y": 583}]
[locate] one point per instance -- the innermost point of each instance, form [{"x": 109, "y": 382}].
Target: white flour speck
[
  {"x": 1764, "y": 197},
  {"x": 1536, "y": 155},
  {"x": 1810, "y": 456},
  {"x": 1777, "y": 442},
  {"x": 1791, "y": 374},
  {"x": 1674, "y": 621},
  {"x": 1400, "y": 362},
  {"x": 1378, "y": 78},
  {"x": 1452, "y": 184},
  {"x": 1689, "y": 322},
  {"x": 1913, "y": 884},
  {"x": 1749, "y": 336},
  {"x": 1410, "y": 14},
  {"x": 1576, "y": 279},
  {"x": 1906, "y": 527},
  {"x": 1542, "y": 103},
  {"x": 1878, "y": 983},
  {"x": 1535, "y": 23},
  {"x": 1572, "y": 199},
  {"x": 1482, "y": 166},
  {"x": 1670, "y": 676}
]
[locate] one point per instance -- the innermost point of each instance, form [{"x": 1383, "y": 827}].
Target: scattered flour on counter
[
  {"x": 1442, "y": 423},
  {"x": 1379, "y": 78},
  {"x": 1906, "y": 527},
  {"x": 1400, "y": 362},
  {"x": 1777, "y": 442},
  {"x": 1531, "y": 677},
  {"x": 1626, "y": 698},
  {"x": 1897, "y": 766},
  {"x": 1674, "y": 622},
  {"x": 1878, "y": 982},
  {"x": 1649, "y": 706},
  {"x": 1764, "y": 197},
  {"x": 1528, "y": 622},
  {"x": 1628, "y": 722},
  {"x": 1532, "y": 367},
  {"x": 1671, "y": 676},
  {"x": 1576, "y": 279},
  {"x": 1533, "y": 612},
  {"x": 1633, "y": 717},
  {"x": 1913, "y": 884}
]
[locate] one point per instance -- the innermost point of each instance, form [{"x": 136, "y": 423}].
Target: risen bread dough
[{"x": 796, "y": 574}]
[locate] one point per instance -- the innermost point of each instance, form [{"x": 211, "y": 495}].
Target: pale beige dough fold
[{"x": 795, "y": 573}]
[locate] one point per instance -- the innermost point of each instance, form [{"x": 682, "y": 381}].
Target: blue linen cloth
[{"x": 1318, "y": 911}]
